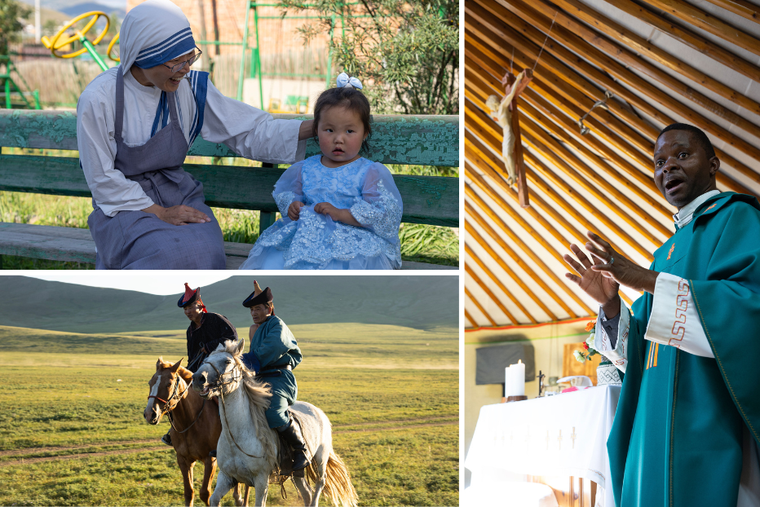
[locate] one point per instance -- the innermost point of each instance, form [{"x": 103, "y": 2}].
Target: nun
[{"x": 135, "y": 125}]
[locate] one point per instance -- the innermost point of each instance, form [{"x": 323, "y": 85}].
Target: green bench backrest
[{"x": 408, "y": 140}]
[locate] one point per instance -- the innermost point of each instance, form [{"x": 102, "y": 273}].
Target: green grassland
[{"x": 72, "y": 430}]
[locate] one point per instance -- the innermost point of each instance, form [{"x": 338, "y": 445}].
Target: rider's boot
[
  {"x": 292, "y": 434},
  {"x": 167, "y": 439}
]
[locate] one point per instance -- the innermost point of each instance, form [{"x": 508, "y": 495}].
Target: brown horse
[{"x": 195, "y": 425}]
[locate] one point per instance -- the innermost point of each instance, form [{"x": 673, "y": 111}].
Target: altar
[{"x": 562, "y": 435}]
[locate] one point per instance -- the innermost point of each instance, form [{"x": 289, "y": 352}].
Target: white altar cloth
[{"x": 558, "y": 435}]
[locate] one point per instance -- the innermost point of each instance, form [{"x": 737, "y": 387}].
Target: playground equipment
[
  {"x": 11, "y": 88},
  {"x": 298, "y": 104},
  {"x": 60, "y": 41},
  {"x": 110, "y": 48}
]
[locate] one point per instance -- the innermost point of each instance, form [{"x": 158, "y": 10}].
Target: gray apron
[{"x": 139, "y": 240}]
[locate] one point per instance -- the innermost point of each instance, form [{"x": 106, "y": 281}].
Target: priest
[{"x": 687, "y": 426}]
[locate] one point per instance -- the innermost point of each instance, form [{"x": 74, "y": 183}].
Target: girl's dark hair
[{"x": 350, "y": 98}]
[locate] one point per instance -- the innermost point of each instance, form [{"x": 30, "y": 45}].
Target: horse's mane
[
  {"x": 259, "y": 396},
  {"x": 183, "y": 372}
]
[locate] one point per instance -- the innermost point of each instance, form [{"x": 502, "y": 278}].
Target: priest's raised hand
[{"x": 602, "y": 279}]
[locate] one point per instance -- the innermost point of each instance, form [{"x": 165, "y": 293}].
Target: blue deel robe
[{"x": 273, "y": 347}]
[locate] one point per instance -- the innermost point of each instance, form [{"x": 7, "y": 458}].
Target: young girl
[{"x": 339, "y": 210}]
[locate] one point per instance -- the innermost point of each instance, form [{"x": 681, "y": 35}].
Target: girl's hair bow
[{"x": 343, "y": 81}]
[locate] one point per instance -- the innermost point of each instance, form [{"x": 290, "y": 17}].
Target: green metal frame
[{"x": 10, "y": 87}]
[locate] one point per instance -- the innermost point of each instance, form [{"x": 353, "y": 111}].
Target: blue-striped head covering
[{"x": 153, "y": 33}]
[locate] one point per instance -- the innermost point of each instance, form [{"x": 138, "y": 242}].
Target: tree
[
  {"x": 11, "y": 13},
  {"x": 406, "y": 52}
]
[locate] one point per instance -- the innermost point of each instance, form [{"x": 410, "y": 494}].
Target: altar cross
[
  {"x": 506, "y": 114},
  {"x": 573, "y": 436},
  {"x": 559, "y": 439}
]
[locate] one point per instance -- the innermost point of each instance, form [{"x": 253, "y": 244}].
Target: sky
[
  {"x": 161, "y": 283},
  {"x": 164, "y": 283}
]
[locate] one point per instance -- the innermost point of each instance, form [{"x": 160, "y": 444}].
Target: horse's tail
[{"x": 338, "y": 487}]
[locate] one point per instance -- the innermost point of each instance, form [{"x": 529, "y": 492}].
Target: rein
[{"x": 224, "y": 408}]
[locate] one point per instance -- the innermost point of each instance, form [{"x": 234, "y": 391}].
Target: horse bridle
[
  {"x": 168, "y": 409},
  {"x": 220, "y": 382}
]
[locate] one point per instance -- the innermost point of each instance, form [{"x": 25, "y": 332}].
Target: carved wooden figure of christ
[{"x": 505, "y": 113}]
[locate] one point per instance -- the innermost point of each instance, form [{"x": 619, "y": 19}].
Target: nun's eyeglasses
[{"x": 189, "y": 62}]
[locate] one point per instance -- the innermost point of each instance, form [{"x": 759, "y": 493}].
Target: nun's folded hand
[{"x": 178, "y": 215}]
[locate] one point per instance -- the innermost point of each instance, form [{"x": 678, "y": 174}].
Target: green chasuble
[{"x": 677, "y": 436}]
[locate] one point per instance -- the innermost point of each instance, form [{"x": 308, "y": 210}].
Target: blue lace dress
[{"x": 315, "y": 241}]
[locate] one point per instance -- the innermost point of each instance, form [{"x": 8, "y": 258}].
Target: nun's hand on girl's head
[
  {"x": 178, "y": 215},
  {"x": 294, "y": 210}
]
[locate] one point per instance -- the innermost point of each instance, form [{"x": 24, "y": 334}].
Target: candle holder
[{"x": 515, "y": 398}]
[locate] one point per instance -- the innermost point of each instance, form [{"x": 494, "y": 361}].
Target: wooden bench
[{"x": 407, "y": 140}]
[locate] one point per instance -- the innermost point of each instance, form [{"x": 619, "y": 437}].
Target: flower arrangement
[{"x": 588, "y": 345}]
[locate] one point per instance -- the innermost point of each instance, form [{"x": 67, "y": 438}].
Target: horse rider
[
  {"x": 273, "y": 354},
  {"x": 205, "y": 332}
]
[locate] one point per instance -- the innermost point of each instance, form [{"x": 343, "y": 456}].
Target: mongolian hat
[
  {"x": 258, "y": 296},
  {"x": 189, "y": 296}
]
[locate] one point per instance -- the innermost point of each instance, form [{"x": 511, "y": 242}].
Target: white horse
[{"x": 247, "y": 447}]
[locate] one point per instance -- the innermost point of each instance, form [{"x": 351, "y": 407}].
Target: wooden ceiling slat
[
  {"x": 571, "y": 105},
  {"x": 472, "y": 256},
  {"x": 593, "y": 182},
  {"x": 628, "y": 57},
  {"x": 598, "y": 179},
  {"x": 559, "y": 79},
  {"x": 742, "y": 8},
  {"x": 707, "y": 22},
  {"x": 476, "y": 217},
  {"x": 552, "y": 88},
  {"x": 472, "y": 212},
  {"x": 502, "y": 225},
  {"x": 602, "y": 151},
  {"x": 568, "y": 190},
  {"x": 474, "y": 161},
  {"x": 469, "y": 317},
  {"x": 478, "y": 305},
  {"x": 491, "y": 295},
  {"x": 557, "y": 197},
  {"x": 690, "y": 38},
  {"x": 567, "y": 38}
]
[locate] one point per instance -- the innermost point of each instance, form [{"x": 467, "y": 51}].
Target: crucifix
[{"x": 506, "y": 114}]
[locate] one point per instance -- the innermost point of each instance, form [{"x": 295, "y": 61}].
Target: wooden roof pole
[
  {"x": 601, "y": 150},
  {"x": 502, "y": 225},
  {"x": 553, "y": 87},
  {"x": 556, "y": 197},
  {"x": 472, "y": 214},
  {"x": 539, "y": 146},
  {"x": 482, "y": 310},
  {"x": 707, "y": 22},
  {"x": 483, "y": 185},
  {"x": 566, "y": 37},
  {"x": 594, "y": 183},
  {"x": 690, "y": 38},
  {"x": 491, "y": 295},
  {"x": 473, "y": 234},
  {"x": 561, "y": 78},
  {"x": 571, "y": 102},
  {"x": 627, "y": 57},
  {"x": 472, "y": 321}
]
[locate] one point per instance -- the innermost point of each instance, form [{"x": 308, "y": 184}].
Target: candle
[
  {"x": 508, "y": 382},
  {"x": 518, "y": 372}
]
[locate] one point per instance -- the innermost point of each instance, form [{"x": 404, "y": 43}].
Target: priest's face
[
  {"x": 682, "y": 169},
  {"x": 260, "y": 313}
]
